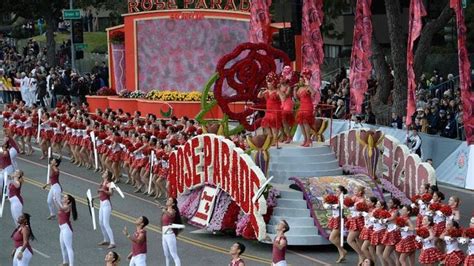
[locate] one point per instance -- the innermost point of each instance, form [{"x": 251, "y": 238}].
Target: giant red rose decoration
[{"x": 243, "y": 72}]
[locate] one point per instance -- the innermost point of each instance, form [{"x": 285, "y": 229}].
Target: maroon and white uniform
[
  {"x": 65, "y": 237},
  {"x": 278, "y": 255},
  {"x": 139, "y": 249}
]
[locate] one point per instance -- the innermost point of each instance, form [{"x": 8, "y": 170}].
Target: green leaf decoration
[
  {"x": 168, "y": 113},
  {"x": 205, "y": 105}
]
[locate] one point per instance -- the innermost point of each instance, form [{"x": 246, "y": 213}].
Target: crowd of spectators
[{"x": 25, "y": 74}]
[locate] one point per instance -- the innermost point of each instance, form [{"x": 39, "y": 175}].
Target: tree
[
  {"x": 398, "y": 42},
  {"x": 50, "y": 11}
]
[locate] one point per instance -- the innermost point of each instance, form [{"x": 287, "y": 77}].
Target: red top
[
  {"x": 167, "y": 219},
  {"x": 237, "y": 262},
  {"x": 54, "y": 177},
  {"x": 278, "y": 254},
  {"x": 273, "y": 101},
  {"x": 5, "y": 160},
  {"x": 306, "y": 102},
  {"x": 17, "y": 238},
  {"x": 64, "y": 218},
  {"x": 102, "y": 195},
  {"x": 139, "y": 248},
  {"x": 14, "y": 191}
]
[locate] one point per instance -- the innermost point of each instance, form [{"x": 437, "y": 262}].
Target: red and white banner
[
  {"x": 214, "y": 160},
  {"x": 417, "y": 12},
  {"x": 464, "y": 73},
  {"x": 312, "y": 47},
  {"x": 361, "y": 52},
  {"x": 206, "y": 206},
  {"x": 260, "y": 21}
]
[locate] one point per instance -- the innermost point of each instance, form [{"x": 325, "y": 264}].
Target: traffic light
[
  {"x": 79, "y": 54},
  {"x": 77, "y": 31}
]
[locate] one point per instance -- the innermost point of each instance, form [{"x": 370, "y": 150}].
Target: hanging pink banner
[
  {"x": 464, "y": 73},
  {"x": 361, "y": 67},
  {"x": 415, "y": 24},
  {"x": 312, "y": 47},
  {"x": 260, "y": 21}
]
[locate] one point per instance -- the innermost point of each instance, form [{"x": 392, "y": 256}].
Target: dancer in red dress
[
  {"x": 392, "y": 235},
  {"x": 271, "y": 122},
  {"x": 305, "y": 114},
  {"x": 366, "y": 233},
  {"x": 406, "y": 247},
  {"x": 334, "y": 223},
  {"x": 355, "y": 222},
  {"x": 429, "y": 254},
  {"x": 236, "y": 251},
  {"x": 286, "y": 87},
  {"x": 280, "y": 244},
  {"x": 454, "y": 255}
]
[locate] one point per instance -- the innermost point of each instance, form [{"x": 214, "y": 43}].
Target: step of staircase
[
  {"x": 294, "y": 212},
  {"x": 292, "y": 220},
  {"x": 310, "y": 166},
  {"x": 296, "y": 230},
  {"x": 291, "y": 203}
]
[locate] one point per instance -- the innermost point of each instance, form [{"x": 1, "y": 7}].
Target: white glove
[
  {"x": 384, "y": 221},
  {"x": 420, "y": 202},
  {"x": 405, "y": 229},
  {"x": 429, "y": 213},
  {"x": 372, "y": 219},
  {"x": 364, "y": 214},
  {"x": 326, "y": 206},
  {"x": 448, "y": 238},
  {"x": 462, "y": 240},
  {"x": 413, "y": 205},
  {"x": 418, "y": 239},
  {"x": 439, "y": 213}
]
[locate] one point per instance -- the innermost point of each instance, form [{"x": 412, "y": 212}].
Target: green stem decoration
[{"x": 205, "y": 105}]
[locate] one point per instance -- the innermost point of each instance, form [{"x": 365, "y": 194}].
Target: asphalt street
[{"x": 193, "y": 248}]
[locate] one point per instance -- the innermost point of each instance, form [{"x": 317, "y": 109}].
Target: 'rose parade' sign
[
  {"x": 214, "y": 160},
  {"x": 135, "y": 6}
]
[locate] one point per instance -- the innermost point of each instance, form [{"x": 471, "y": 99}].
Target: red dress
[
  {"x": 429, "y": 253},
  {"x": 305, "y": 114},
  {"x": 272, "y": 118},
  {"x": 287, "y": 115}
]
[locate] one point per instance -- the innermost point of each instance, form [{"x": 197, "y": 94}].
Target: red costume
[
  {"x": 272, "y": 117},
  {"x": 305, "y": 114}
]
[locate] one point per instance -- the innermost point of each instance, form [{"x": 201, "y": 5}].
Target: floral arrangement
[
  {"x": 469, "y": 233},
  {"x": 396, "y": 193},
  {"x": 106, "y": 91},
  {"x": 222, "y": 204},
  {"x": 446, "y": 210},
  {"x": 124, "y": 94},
  {"x": 117, "y": 37},
  {"x": 188, "y": 204},
  {"x": 330, "y": 199},
  {"x": 401, "y": 221},
  {"x": 348, "y": 202},
  {"x": 137, "y": 94},
  {"x": 194, "y": 96},
  {"x": 423, "y": 232}
]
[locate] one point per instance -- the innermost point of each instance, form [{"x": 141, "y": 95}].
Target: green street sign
[
  {"x": 80, "y": 46},
  {"x": 71, "y": 14}
]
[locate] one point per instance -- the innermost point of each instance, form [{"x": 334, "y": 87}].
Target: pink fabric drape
[
  {"x": 361, "y": 67},
  {"x": 415, "y": 24},
  {"x": 464, "y": 73},
  {"x": 260, "y": 21},
  {"x": 312, "y": 47}
]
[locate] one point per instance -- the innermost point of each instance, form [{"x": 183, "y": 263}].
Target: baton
[
  {"x": 90, "y": 202},
  {"x": 152, "y": 163},
  {"x": 113, "y": 186}
]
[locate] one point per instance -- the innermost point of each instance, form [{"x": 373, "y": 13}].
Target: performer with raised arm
[
  {"x": 271, "y": 122},
  {"x": 305, "y": 114},
  {"x": 67, "y": 207},
  {"x": 56, "y": 189},
  {"x": 170, "y": 216},
  {"x": 21, "y": 236},
  {"x": 280, "y": 244},
  {"x": 137, "y": 256},
  {"x": 14, "y": 195},
  {"x": 105, "y": 210},
  {"x": 112, "y": 259},
  {"x": 236, "y": 250}
]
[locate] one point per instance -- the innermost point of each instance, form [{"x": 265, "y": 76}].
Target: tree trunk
[
  {"x": 424, "y": 44},
  {"x": 379, "y": 102},
  {"x": 398, "y": 53},
  {"x": 50, "y": 41}
]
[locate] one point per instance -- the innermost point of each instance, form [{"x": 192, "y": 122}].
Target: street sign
[
  {"x": 71, "y": 14},
  {"x": 80, "y": 46}
]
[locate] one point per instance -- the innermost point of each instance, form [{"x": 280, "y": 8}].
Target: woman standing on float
[
  {"x": 305, "y": 114},
  {"x": 105, "y": 209},
  {"x": 14, "y": 195},
  {"x": 170, "y": 216},
  {"x": 55, "y": 191},
  {"x": 21, "y": 237},
  {"x": 271, "y": 122},
  {"x": 279, "y": 244},
  {"x": 286, "y": 89},
  {"x": 67, "y": 207}
]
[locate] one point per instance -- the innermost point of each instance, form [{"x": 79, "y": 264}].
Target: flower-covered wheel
[{"x": 241, "y": 75}]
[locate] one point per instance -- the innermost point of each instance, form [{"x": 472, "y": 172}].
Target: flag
[
  {"x": 260, "y": 21},
  {"x": 417, "y": 11},
  {"x": 464, "y": 73},
  {"x": 312, "y": 47},
  {"x": 361, "y": 67}
]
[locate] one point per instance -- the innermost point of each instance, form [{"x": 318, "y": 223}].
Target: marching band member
[
  {"x": 392, "y": 235},
  {"x": 21, "y": 237},
  {"x": 14, "y": 195},
  {"x": 105, "y": 209},
  {"x": 67, "y": 207},
  {"x": 236, "y": 250},
  {"x": 56, "y": 189},
  {"x": 406, "y": 247},
  {"x": 454, "y": 256},
  {"x": 280, "y": 244},
  {"x": 139, "y": 244},
  {"x": 170, "y": 216},
  {"x": 430, "y": 254},
  {"x": 334, "y": 223}
]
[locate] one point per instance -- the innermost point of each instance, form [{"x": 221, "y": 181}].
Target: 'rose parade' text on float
[
  {"x": 135, "y": 6},
  {"x": 214, "y": 160}
]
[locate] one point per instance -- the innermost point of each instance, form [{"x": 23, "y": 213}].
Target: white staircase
[{"x": 295, "y": 161}]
